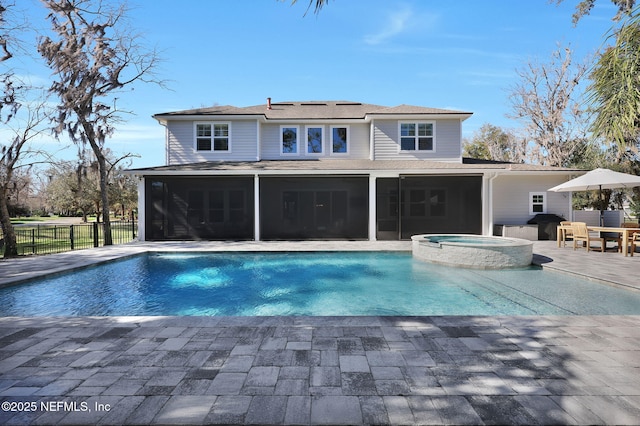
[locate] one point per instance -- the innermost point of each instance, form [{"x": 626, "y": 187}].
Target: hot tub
[{"x": 473, "y": 251}]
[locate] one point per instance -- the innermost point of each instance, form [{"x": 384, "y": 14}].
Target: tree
[
  {"x": 584, "y": 8},
  {"x": 494, "y": 143},
  {"x": 72, "y": 189},
  {"x": 12, "y": 149},
  {"x": 615, "y": 89},
  {"x": 544, "y": 101},
  {"x": 94, "y": 56}
]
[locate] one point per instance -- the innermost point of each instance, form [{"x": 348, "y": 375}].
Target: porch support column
[
  {"x": 487, "y": 203},
  {"x": 372, "y": 208},
  {"x": 141, "y": 208},
  {"x": 256, "y": 207}
]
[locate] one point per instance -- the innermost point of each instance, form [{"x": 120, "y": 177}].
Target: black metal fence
[{"x": 47, "y": 239}]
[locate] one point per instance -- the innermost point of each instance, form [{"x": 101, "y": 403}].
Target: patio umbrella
[{"x": 598, "y": 179}]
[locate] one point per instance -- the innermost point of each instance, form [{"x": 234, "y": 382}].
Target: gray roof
[
  {"x": 331, "y": 165},
  {"x": 313, "y": 110}
]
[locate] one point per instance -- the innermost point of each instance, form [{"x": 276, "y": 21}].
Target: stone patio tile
[
  {"x": 418, "y": 359},
  {"x": 611, "y": 409},
  {"x": 294, "y": 372},
  {"x": 392, "y": 387},
  {"x": 229, "y": 410},
  {"x": 87, "y": 391},
  {"x": 298, "y": 410},
  {"x": 90, "y": 359},
  {"x": 296, "y": 346},
  {"x": 455, "y": 410},
  {"x": 20, "y": 390},
  {"x": 354, "y": 363},
  {"x": 58, "y": 388},
  {"x": 239, "y": 364},
  {"x": 335, "y": 410},
  {"x": 227, "y": 384},
  {"x": 350, "y": 346},
  {"x": 500, "y": 410},
  {"x": 122, "y": 410},
  {"x": 545, "y": 410},
  {"x": 262, "y": 376},
  {"x": 245, "y": 349},
  {"x": 102, "y": 379},
  {"x": 125, "y": 387},
  {"x": 358, "y": 384},
  {"x": 168, "y": 332},
  {"x": 266, "y": 410},
  {"x": 185, "y": 409},
  {"x": 386, "y": 373},
  {"x": 173, "y": 344},
  {"x": 398, "y": 410},
  {"x": 424, "y": 411},
  {"x": 373, "y": 410},
  {"x": 167, "y": 377},
  {"x": 329, "y": 358},
  {"x": 306, "y": 358},
  {"x": 385, "y": 359},
  {"x": 278, "y": 358},
  {"x": 325, "y": 376}
]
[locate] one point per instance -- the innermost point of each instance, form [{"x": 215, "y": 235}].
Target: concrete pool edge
[{"x": 619, "y": 270}]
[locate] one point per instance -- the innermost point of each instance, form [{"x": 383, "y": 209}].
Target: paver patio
[{"x": 320, "y": 370}]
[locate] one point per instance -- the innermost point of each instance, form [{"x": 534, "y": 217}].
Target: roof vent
[{"x": 269, "y": 103}]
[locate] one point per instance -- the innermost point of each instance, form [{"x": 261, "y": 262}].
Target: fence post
[
  {"x": 71, "y": 236},
  {"x": 95, "y": 234},
  {"x": 133, "y": 229},
  {"x": 33, "y": 238}
]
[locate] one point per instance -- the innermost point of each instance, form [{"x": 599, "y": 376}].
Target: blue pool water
[{"x": 343, "y": 283}]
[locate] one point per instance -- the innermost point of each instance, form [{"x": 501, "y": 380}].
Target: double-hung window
[
  {"x": 417, "y": 136},
  {"x": 213, "y": 137},
  {"x": 339, "y": 139},
  {"x": 289, "y": 136}
]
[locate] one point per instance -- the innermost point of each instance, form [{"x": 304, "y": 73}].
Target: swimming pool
[{"x": 307, "y": 283}]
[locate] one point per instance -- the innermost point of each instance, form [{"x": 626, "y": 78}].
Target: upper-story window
[
  {"x": 340, "y": 139},
  {"x": 417, "y": 136},
  {"x": 213, "y": 137},
  {"x": 315, "y": 139},
  {"x": 289, "y": 139}
]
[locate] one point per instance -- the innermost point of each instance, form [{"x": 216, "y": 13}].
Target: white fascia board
[
  {"x": 204, "y": 117},
  {"x": 461, "y": 116},
  {"x": 315, "y": 120}
]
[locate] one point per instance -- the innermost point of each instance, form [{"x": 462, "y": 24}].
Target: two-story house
[{"x": 331, "y": 170}]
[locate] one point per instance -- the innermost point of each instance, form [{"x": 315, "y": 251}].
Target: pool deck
[{"x": 322, "y": 370}]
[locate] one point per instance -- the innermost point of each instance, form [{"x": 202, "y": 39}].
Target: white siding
[
  {"x": 181, "y": 149},
  {"x": 448, "y": 141},
  {"x": 511, "y": 198},
  {"x": 358, "y": 142}
]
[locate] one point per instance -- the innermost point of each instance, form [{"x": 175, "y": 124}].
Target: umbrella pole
[{"x": 601, "y": 205}]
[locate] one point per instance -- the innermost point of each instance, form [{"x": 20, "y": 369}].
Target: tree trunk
[
  {"x": 10, "y": 244},
  {"x": 104, "y": 194}
]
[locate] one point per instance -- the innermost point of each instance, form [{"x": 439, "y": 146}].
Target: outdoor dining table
[{"x": 624, "y": 231}]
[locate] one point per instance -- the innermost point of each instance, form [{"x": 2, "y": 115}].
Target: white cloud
[{"x": 398, "y": 22}]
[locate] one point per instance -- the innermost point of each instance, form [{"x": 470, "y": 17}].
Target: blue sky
[{"x": 460, "y": 55}]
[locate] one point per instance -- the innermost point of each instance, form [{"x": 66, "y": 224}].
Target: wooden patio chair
[
  {"x": 634, "y": 241},
  {"x": 567, "y": 233},
  {"x": 581, "y": 233}
]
